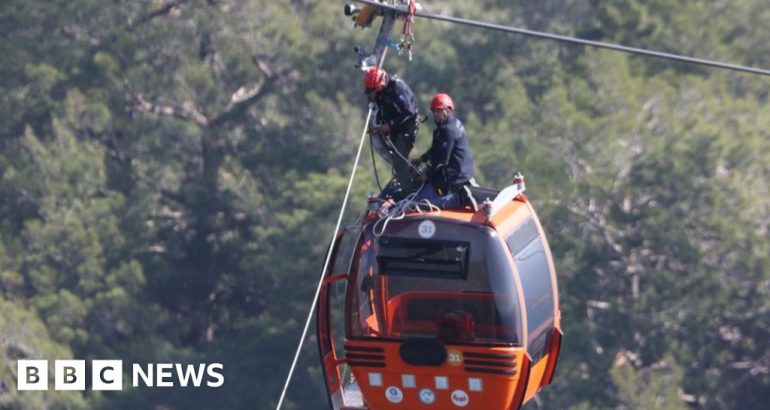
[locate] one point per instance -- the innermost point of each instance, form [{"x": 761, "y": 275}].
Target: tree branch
[
  {"x": 240, "y": 100},
  {"x": 186, "y": 112},
  {"x": 170, "y": 7},
  {"x": 244, "y": 97}
]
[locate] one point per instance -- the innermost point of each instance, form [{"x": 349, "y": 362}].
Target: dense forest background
[{"x": 170, "y": 173}]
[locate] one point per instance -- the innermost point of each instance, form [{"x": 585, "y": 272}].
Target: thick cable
[
  {"x": 326, "y": 263},
  {"x": 374, "y": 164},
  {"x": 574, "y": 40},
  {"x": 390, "y": 145}
]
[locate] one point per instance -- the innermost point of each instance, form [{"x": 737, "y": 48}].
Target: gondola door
[{"x": 330, "y": 319}]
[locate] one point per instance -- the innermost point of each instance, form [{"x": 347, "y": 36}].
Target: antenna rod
[{"x": 573, "y": 40}]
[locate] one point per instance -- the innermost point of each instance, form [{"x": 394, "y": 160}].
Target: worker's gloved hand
[
  {"x": 384, "y": 128},
  {"x": 381, "y": 131},
  {"x": 418, "y": 174}
]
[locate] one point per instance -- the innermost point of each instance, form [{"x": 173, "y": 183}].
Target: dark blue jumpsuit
[
  {"x": 451, "y": 164},
  {"x": 397, "y": 106}
]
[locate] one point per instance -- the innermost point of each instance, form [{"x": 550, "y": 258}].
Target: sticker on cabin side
[
  {"x": 426, "y": 229},
  {"x": 394, "y": 395},
  {"x": 454, "y": 357},
  {"x": 460, "y": 398}
]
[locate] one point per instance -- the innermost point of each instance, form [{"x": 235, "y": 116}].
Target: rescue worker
[
  {"x": 450, "y": 170},
  {"x": 395, "y": 126}
]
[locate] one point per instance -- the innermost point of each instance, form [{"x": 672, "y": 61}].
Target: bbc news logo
[{"x": 108, "y": 375}]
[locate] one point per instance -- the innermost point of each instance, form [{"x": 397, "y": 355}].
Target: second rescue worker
[
  {"x": 397, "y": 119},
  {"x": 450, "y": 159}
]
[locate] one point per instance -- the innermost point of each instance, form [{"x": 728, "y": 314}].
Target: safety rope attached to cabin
[
  {"x": 326, "y": 262},
  {"x": 331, "y": 248},
  {"x": 399, "y": 209}
]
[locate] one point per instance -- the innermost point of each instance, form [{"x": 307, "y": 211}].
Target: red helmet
[
  {"x": 374, "y": 79},
  {"x": 442, "y": 101}
]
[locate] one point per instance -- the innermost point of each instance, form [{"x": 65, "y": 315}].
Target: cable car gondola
[{"x": 442, "y": 309}]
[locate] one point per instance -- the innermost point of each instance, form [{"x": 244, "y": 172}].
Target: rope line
[
  {"x": 371, "y": 144},
  {"x": 326, "y": 262},
  {"x": 398, "y": 211},
  {"x": 374, "y": 163},
  {"x": 331, "y": 247}
]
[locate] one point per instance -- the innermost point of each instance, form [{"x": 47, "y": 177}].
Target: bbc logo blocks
[
  {"x": 32, "y": 374},
  {"x": 70, "y": 375},
  {"x": 108, "y": 375}
]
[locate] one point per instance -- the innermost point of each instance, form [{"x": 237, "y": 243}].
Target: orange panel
[
  {"x": 514, "y": 214},
  {"x": 535, "y": 377},
  {"x": 472, "y": 378}
]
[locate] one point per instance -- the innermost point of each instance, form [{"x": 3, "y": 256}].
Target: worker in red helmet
[
  {"x": 449, "y": 158},
  {"x": 394, "y": 126}
]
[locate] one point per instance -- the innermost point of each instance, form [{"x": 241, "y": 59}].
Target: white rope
[
  {"x": 399, "y": 210},
  {"x": 331, "y": 247},
  {"x": 326, "y": 263}
]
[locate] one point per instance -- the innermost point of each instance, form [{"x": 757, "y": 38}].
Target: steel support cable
[
  {"x": 574, "y": 40},
  {"x": 331, "y": 249}
]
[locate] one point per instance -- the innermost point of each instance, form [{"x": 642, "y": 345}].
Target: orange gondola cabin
[{"x": 441, "y": 309}]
